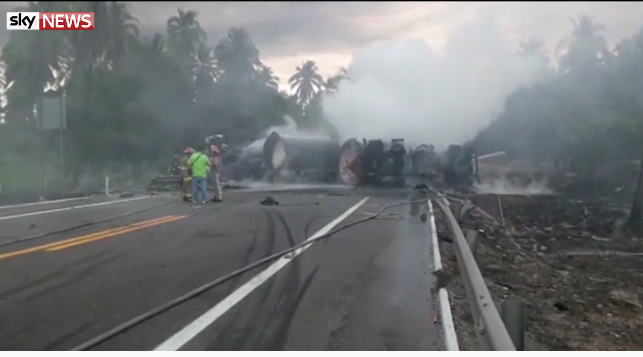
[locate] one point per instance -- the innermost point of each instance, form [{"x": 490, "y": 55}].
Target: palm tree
[
  {"x": 30, "y": 57},
  {"x": 121, "y": 29},
  {"x": 157, "y": 44},
  {"x": 203, "y": 67},
  {"x": 585, "y": 47},
  {"x": 116, "y": 30},
  {"x": 306, "y": 81},
  {"x": 237, "y": 56},
  {"x": 333, "y": 81},
  {"x": 184, "y": 32},
  {"x": 267, "y": 78}
]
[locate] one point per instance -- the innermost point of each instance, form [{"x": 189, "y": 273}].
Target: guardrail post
[
  {"x": 513, "y": 314},
  {"x": 471, "y": 237}
]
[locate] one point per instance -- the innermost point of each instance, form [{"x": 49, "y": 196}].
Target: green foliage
[
  {"x": 135, "y": 101},
  {"x": 588, "y": 113}
]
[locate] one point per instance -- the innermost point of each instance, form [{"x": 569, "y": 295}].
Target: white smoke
[
  {"x": 289, "y": 128},
  {"x": 407, "y": 90}
]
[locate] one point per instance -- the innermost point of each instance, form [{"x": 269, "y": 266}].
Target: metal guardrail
[{"x": 495, "y": 331}]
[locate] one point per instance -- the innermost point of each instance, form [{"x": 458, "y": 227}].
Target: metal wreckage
[{"x": 319, "y": 159}]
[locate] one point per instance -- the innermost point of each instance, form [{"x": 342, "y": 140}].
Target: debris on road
[
  {"x": 582, "y": 283},
  {"x": 269, "y": 201}
]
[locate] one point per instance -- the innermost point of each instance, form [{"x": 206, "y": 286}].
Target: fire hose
[{"x": 200, "y": 290}]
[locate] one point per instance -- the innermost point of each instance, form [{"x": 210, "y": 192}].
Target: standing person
[
  {"x": 215, "y": 173},
  {"x": 186, "y": 177},
  {"x": 199, "y": 163}
]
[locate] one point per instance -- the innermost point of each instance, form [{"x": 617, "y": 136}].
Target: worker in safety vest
[
  {"x": 186, "y": 177},
  {"x": 199, "y": 164},
  {"x": 215, "y": 172}
]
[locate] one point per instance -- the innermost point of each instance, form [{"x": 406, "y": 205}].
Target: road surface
[{"x": 366, "y": 288}]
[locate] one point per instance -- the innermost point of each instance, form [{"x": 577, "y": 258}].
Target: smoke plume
[{"x": 408, "y": 90}]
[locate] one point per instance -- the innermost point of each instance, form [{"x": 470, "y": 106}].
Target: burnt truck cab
[
  {"x": 373, "y": 162},
  {"x": 460, "y": 166}
]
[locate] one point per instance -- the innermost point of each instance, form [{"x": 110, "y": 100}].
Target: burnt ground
[{"x": 582, "y": 283}]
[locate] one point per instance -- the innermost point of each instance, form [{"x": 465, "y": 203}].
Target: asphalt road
[{"x": 366, "y": 288}]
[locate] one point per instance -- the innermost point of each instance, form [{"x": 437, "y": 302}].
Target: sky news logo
[{"x": 50, "y": 20}]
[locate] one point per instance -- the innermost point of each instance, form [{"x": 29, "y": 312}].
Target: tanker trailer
[
  {"x": 372, "y": 162},
  {"x": 300, "y": 158},
  {"x": 246, "y": 164}
]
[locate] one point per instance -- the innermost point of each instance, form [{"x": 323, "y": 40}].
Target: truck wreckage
[{"x": 321, "y": 159}]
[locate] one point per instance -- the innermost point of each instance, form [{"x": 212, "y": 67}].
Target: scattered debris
[
  {"x": 583, "y": 292},
  {"x": 269, "y": 201}
]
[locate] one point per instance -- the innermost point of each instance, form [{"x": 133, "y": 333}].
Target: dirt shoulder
[{"x": 583, "y": 286}]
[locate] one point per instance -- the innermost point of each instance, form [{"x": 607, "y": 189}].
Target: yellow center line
[
  {"x": 112, "y": 234},
  {"x": 117, "y": 230}
]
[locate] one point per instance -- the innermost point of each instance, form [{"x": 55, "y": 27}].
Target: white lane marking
[
  {"x": 434, "y": 239},
  {"x": 450, "y": 336},
  {"x": 29, "y": 214},
  {"x": 188, "y": 332},
  {"x": 45, "y": 202}
]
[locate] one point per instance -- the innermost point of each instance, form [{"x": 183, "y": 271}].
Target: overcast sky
[{"x": 288, "y": 33}]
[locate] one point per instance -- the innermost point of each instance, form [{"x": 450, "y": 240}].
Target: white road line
[
  {"x": 437, "y": 260},
  {"x": 45, "y": 202},
  {"x": 190, "y": 331},
  {"x": 29, "y": 214},
  {"x": 450, "y": 336}
]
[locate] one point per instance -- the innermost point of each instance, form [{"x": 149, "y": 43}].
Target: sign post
[{"x": 52, "y": 115}]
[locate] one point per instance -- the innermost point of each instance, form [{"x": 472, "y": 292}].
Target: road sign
[{"x": 51, "y": 112}]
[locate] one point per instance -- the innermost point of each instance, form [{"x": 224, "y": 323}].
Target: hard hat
[{"x": 188, "y": 150}]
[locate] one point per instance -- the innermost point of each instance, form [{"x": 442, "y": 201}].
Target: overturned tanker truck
[
  {"x": 303, "y": 158},
  {"x": 317, "y": 159}
]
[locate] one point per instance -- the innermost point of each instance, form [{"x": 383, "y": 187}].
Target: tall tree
[
  {"x": 267, "y": 78},
  {"x": 306, "y": 82},
  {"x": 333, "y": 81},
  {"x": 30, "y": 57},
  {"x": 184, "y": 32},
  {"x": 585, "y": 48},
  {"x": 237, "y": 57}
]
